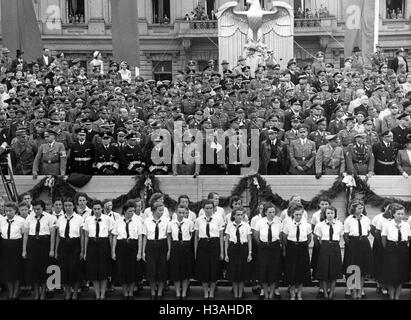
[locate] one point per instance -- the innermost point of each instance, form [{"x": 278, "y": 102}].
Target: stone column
[{"x": 96, "y": 23}]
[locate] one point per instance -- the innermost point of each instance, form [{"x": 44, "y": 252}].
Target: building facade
[{"x": 168, "y": 39}]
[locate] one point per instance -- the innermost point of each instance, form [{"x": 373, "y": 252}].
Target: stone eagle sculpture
[
  {"x": 256, "y": 23},
  {"x": 258, "y": 29}
]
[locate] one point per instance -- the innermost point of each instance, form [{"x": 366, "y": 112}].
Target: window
[
  {"x": 262, "y": 2},
  {"x": 75, "y": 11},
  {"x": 210, "y": 9},
  {"x": 395, "y": 9},
  {"x": 161, "y": 11},
  {"x": 162, "y": 70}
]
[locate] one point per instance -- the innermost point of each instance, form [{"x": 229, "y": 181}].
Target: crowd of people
[
  {"x": 56, "y": 118},
  {"x": 265, "y": 249}
]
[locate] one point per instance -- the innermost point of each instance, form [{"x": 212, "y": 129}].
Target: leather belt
[{"x": 386, "y": 163}]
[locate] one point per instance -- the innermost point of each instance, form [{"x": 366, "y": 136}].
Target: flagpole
[{"x": 376, "y": 23}]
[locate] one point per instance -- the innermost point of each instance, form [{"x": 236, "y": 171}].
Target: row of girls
[{"x": 274, "y": 247}]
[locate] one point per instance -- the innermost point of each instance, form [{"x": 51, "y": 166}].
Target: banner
[
  {"x": 126, "y": 45},
  {"x": 359, "y": 27},
  {"x": 20, "y": 29}
]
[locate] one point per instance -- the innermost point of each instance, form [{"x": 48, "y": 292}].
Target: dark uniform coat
[
  {"x": 360, "y": 159},
  {"x": 107, "y": 160},
  {"x": 273, "y": 158},
  {"x": 132, "y": 159},
  {"x": 302, "y": 155},
  {"x": 81, "y": 158},
  {"x": 386, "y": 158},
  {"x": 22, "y": 157}
]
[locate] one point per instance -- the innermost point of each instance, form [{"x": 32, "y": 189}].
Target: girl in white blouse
[
  {"x": 180, "y": 232},
  {"x": 97, "y": 244},
  {"x": 238, "y": 251},
  {"x": 69, "y": 248},
  {"x": 296, "y": 238},
  {"x": 329, "y": 264},
  {"x": 127, "y": 249},
  {"x": 396, "y": 235},
  {"x": 13, "y": 249}
]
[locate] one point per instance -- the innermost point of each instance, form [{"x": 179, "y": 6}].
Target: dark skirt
[
  {"x": 329, "y": 263},
  {"x": 12, "y": 260},
  {"x": 358, "y": 253},
  {"x": 208, "y": 260},
  {"x": 128, "y": 268},
  {"x": 269, "y": 262},
  {"x": 181, "y": 261},
  {"x": 69, "y": 260},
  {"x": 98, "y": 259},
  {"x": 314, "y": 258},
  {"x": 38, "y": 250},
  {"x": 237, "y": 269},
  {"x": 297, "y": 264},
  {"x": 396, "y": 268},
  {"x": 156, "y": 260},
  {"x": 378, "y": 258}
]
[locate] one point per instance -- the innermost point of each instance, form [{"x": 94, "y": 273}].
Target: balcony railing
[
  {"x": 307, "y": 23},
  {"x": 202, "y": 24}
]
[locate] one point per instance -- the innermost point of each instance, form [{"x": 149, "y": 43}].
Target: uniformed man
[
  {"x": 347, "y": 135},
  {"x": 318, "y": 64},
  {"x": 371, "y": 136},
  {"x": 132, "y": 158},
  {"x": 403, "y": 129},
  {"x": 319, "y": 136},
  {"x": 23, "y": 153},
  {"x": 311, "y": 121},
  {"x": 107, "y": 158},
  {"x": 302, "y": 154},
  {"x": 337, "y": 124},
  {"x": 385, "y": 154},
  {"x": 82, "y": 154},
  {"x": 187, "y": 157},
  {"x": 292, "y": 134},
  {"x": 378, "y": 57},
  {"x": 51, "y": 158},
  {"x": 359, "y": 157},
  {"x": 273, "y": 154},
  {"x": 330, "y": 158}
]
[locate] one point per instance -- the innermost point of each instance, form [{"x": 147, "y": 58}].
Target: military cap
[
  {"x": 81, "y": 131},
  {"x": 331, "y": 137},
  {"x": 359, "y": 135}
]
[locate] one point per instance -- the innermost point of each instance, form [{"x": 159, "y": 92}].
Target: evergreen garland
[{"x": 257, "y": 185}]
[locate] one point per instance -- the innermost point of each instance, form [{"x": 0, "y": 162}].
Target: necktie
[
  {"x": 127, "y": 228},
  {"x": 208, "y": 228},
  {"x": 298, "y": 233},
  {"x": 399, "y": 234},
  {"x": 237, "y": 234},
  {"x": 67, "y": 230},
  {"x": 270, "y": 233},
  {"x": 9, "y": 229},
  {"x": 157, "y": 230},
  {"x": 359, "y": 228},
  {"x": 331, "y": 232},
  {"x": 180, "y": 231},
  {"x": 38, "y": 226},
  {"x": 97, "y": 227}
]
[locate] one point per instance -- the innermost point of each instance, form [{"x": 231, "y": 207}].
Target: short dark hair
[
  {"x": 183, "y": 197},
  {"x": 38, "y": 203}
]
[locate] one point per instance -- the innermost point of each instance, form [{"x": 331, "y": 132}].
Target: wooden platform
[{"x": 197, "y": 189}]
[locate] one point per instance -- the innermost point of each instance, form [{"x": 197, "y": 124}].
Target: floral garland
[{"x": 257, "y": 185}]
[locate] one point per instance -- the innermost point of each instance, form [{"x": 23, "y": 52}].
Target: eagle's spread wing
[
  {"x": 231, "y": 21},
  {"x": 280, "y": 21}
]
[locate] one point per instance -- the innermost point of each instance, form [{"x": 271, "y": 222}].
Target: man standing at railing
[
  {"x": 379, "y": 57},
  {"x": 357, "y": 61}
]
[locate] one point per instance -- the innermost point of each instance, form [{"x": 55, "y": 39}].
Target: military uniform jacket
[
  {"x": 290, "y": 136},
  {"x": 302, "y": 155},
  {"x": 346, "y": 136},
  {"x": 371, "y": 137},
  {"x": 51, "y": 160},
  {"x": 131, "y": 159},
  {"x": 266, "y": 152},
  {"x": 22, "y": 157},
  {"x": 107, "y": 158},
  {"x": 81, "y": 158},
  {"x": 330, "y": 161},
  {"x": 319, "y": 138},
  {"x": 359, "y": 159},
  {"x": 385, "y": 157},
  {"x": 336, "y": 126},
  {"x": 400, "y": 135}
]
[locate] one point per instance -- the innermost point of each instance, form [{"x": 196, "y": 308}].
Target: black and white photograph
[{"x": 215, "y": 152}]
